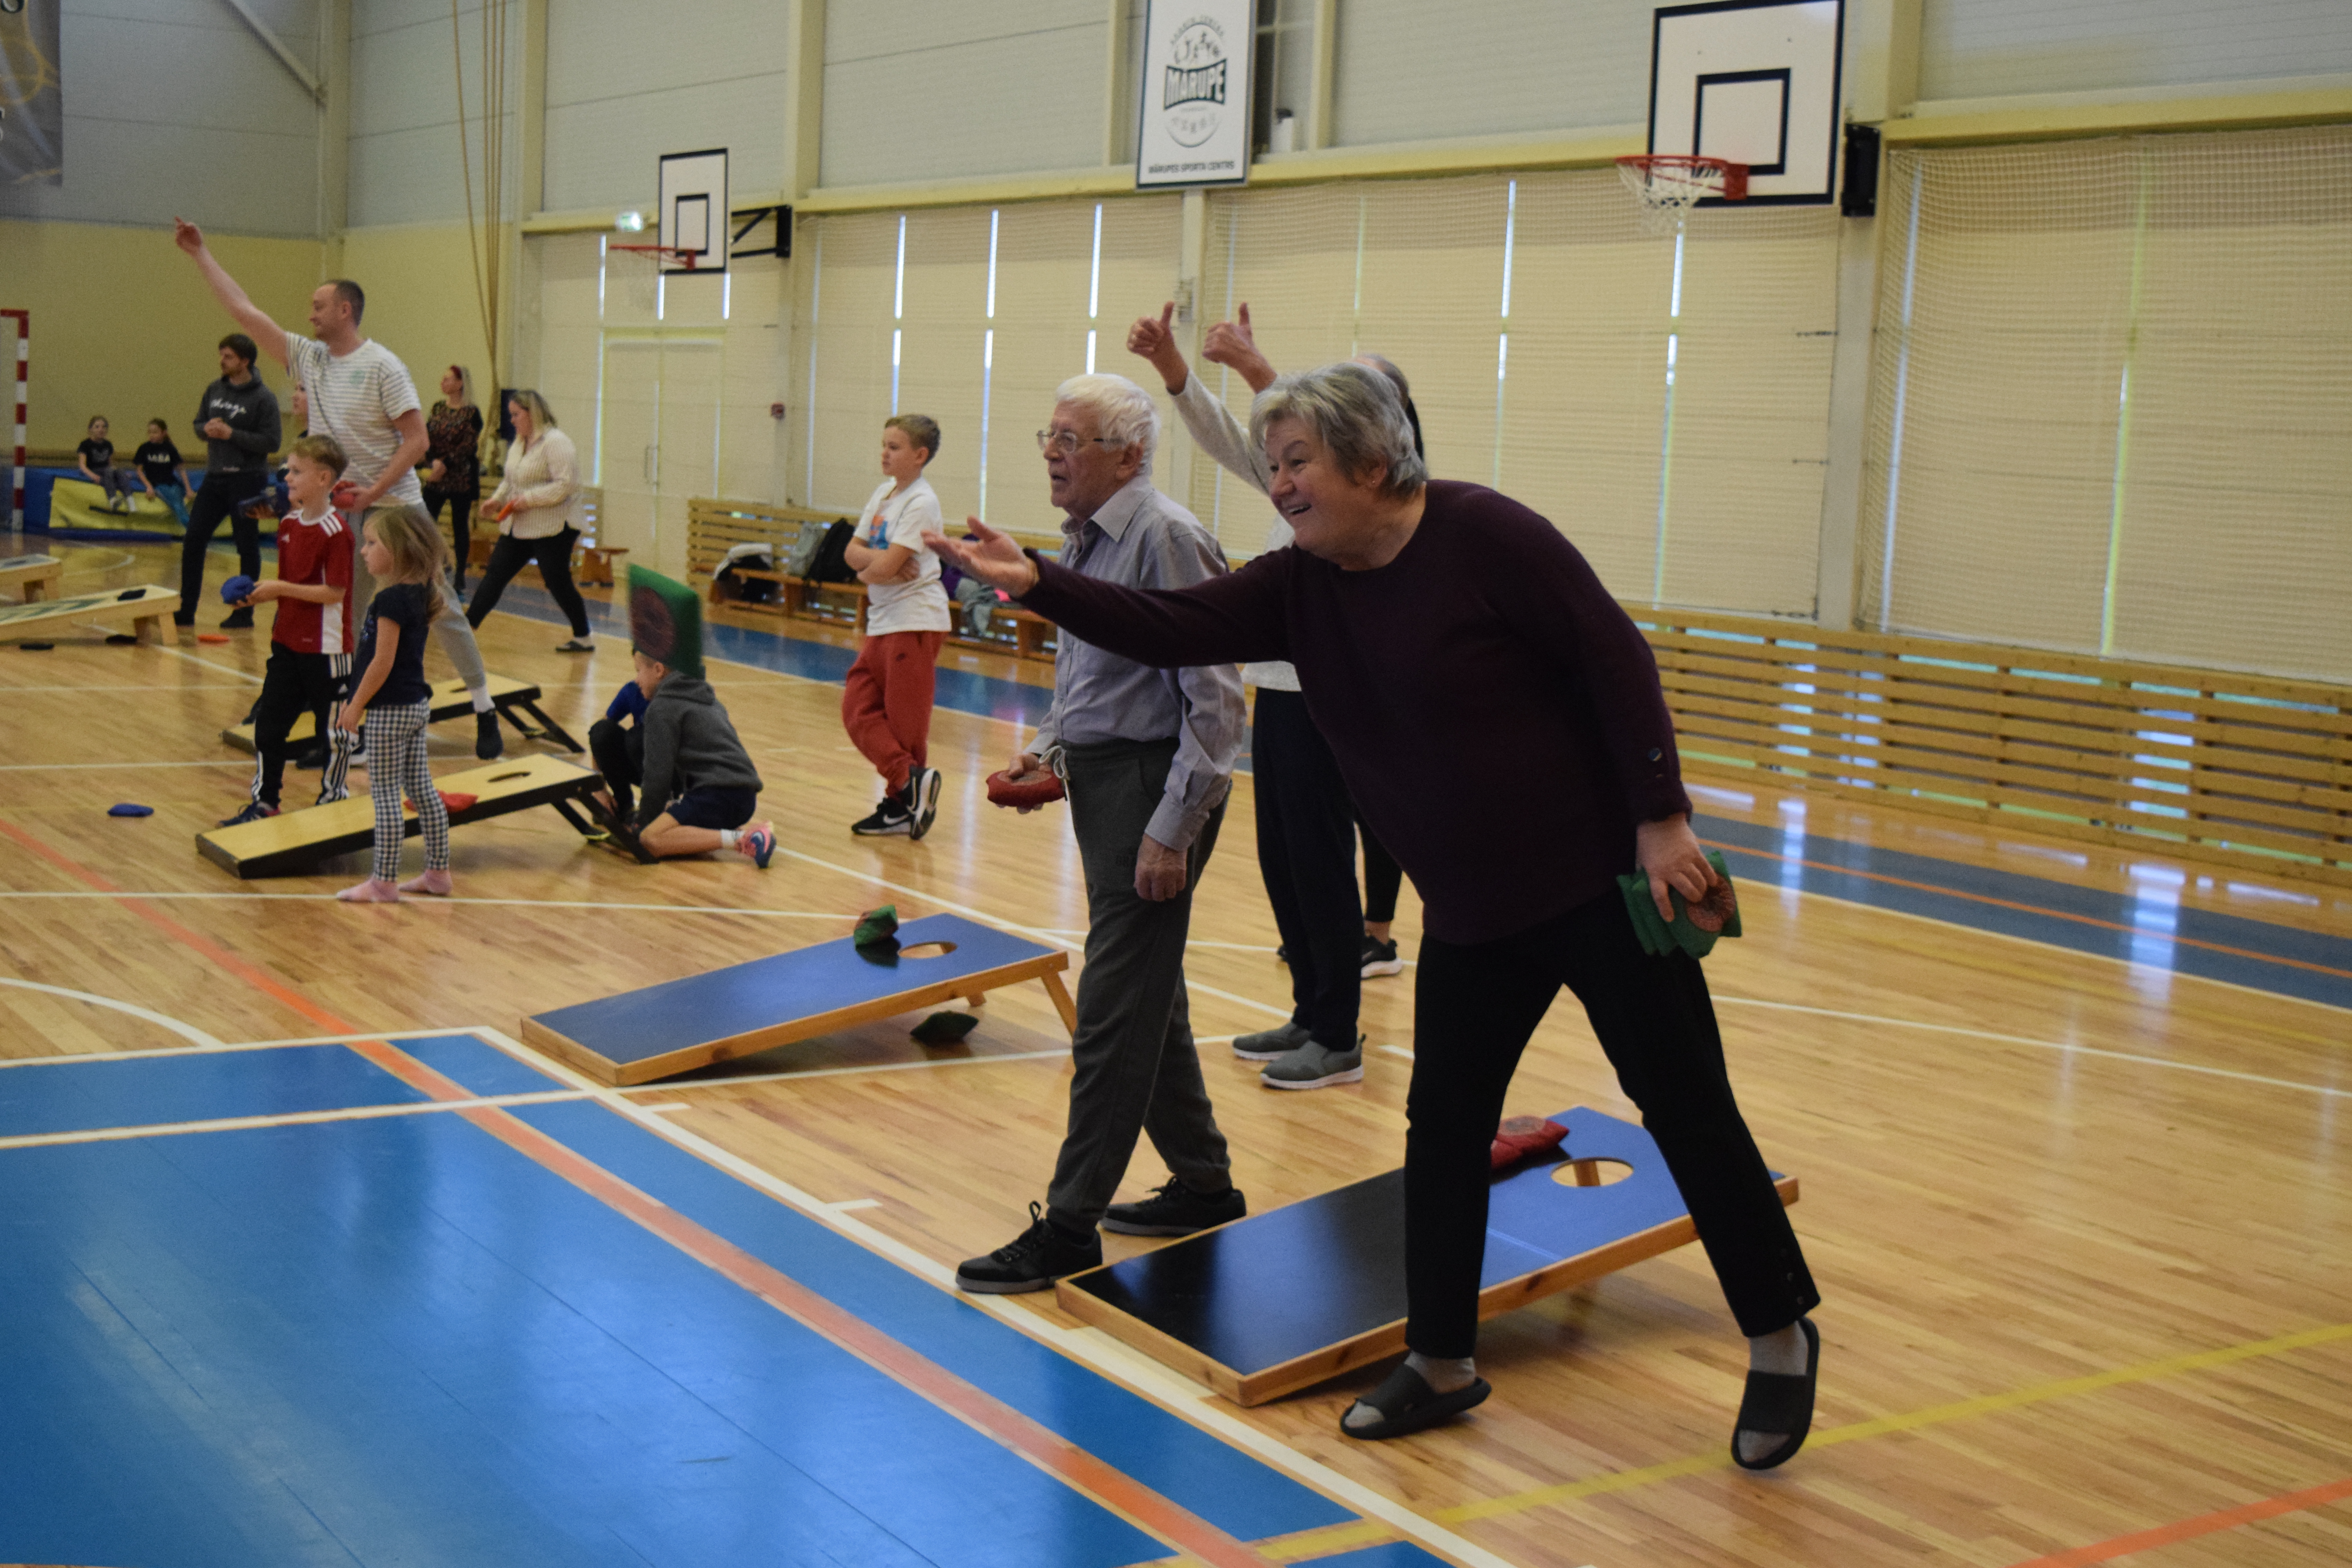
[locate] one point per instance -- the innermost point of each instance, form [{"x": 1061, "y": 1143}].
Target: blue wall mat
[
  {"x": 400, "y": 1342},
  {"x": 150, "y": 1091}
]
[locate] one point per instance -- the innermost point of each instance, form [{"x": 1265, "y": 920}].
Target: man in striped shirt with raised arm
[{"x": 361, "y": 395}]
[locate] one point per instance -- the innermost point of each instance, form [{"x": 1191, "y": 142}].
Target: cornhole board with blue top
[
  {"x": 638, "y": 1037},
  {"x": 1336, "y": 1264}
]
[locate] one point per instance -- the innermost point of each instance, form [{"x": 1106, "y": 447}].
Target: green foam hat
[{"x": 666, "y": 621}]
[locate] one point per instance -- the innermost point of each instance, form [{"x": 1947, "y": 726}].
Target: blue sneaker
[{"x": 760, "y": 844}]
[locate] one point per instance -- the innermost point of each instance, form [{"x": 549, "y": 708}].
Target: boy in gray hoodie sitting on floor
[{"x": 697, "y": 782}]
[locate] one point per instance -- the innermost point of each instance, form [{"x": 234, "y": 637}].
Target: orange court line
[
  {"x": 2031, "y": 908},
  {"x": 1050, "y": 1452},
  {"x": 2190, "y": 1528}
]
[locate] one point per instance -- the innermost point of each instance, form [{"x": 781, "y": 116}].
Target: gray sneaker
[
  {"x": 1312, "y": 1066},
  {"x": 1268, "y": 1045}
]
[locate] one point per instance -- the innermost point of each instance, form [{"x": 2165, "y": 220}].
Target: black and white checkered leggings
[{"x": 395, "y": 751}]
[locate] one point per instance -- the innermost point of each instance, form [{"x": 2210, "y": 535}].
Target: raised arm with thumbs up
[{"x": 1156, "y": 341}]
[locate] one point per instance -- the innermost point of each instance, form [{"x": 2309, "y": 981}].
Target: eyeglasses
[{"x": 1068, "y": 441}]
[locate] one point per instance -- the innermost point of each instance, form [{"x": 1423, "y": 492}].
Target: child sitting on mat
[
  {"x": 310, "y": 640},
  {"x": 406, "y": 555},
  {"x": 699, "y": 787}
]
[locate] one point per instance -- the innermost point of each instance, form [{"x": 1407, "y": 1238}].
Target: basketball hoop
[
  {"x": 1668, "y": 186},
  {"x": 640, "y": 268}
]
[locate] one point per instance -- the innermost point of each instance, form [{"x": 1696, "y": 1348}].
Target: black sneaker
[
  {"x": 1175, "y": 1210},
  {"x": 888, "y": 818},
  {"x": 1381, "y": 958},
  {"x": 310, "y": 759},
  {"x": 255, "y": 811},
  {"x": 238, "y": 621},
  {"x": 923, "y": 792},
  {"x": 1030, "y": 1261},
  {"x": 488, "y": 742}
]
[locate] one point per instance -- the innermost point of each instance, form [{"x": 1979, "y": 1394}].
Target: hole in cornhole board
[
  {"x": 1575, "y": 1173},
  {"x": 501, "y": 778},
  {"x": 927, "y": 950}
]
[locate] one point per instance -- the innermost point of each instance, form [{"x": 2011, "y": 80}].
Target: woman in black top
[{"x": 453, "y": 462}]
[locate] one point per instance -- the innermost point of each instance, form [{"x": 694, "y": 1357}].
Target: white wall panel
[
  {"x": 1405, "y": 72},
  {"x": 179, "y": 107},
  {"x": 1991, "y": 49},
  {"x": 935, "y": 91},
  {"x": 625, "y": 85},
  {"x": 404, "y": 151}
]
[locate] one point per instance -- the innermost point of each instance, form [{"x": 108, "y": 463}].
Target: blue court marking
[
  {"x": 478, "y": 1067},
  {"x": 721, "y": 1004},
  {"x": 400, "y": 1342},
  {"x": 2149, "y": 922},
  {"x": 200, "y": 1086},
  {"x": 2154, "y": 921},
  {"x": 1229, "y": 1488}
]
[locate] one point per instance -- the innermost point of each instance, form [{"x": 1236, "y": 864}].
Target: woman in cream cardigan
[{"x": 535, "y": 507}]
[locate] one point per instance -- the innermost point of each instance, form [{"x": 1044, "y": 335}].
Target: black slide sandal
[
  {"x": 1779, "y": 1403},
  {"x": 1407, "y": 1404}
]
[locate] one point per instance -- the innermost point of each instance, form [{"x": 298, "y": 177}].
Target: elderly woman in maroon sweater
[{"x": 1442, "y": 632}]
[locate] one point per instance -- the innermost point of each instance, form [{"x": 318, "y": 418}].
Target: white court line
[
  {"x": 395, "y": 1036},
  {"x": 659, "y": 1109},
  {"x": 288, "y": 1119},
  {"x": 188, "y": 1032},
  {"x": 209, "y": 686},
  {"x": 1398, "y": 1051},
  {"x": 847, "y": 1204},
  {"x": 455, "y": 898},
  {"x": 1096, "y": 1349},
  {"x": 209, "y": 663},
  {"x": 245, "y": 763},
  {"x": 674, "y": 1087},
  {"x": 2063, "y": 1046}
]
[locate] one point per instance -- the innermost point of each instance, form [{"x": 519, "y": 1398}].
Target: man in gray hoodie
[{"x": 237, "y": 419}]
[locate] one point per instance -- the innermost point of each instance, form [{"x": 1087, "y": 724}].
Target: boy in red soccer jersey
[{"x": 311, "y": 642}]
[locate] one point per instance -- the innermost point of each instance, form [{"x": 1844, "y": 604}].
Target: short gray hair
[
  {"x": 1127, "y": 415},
  {"x": 1356, "y": 411}
]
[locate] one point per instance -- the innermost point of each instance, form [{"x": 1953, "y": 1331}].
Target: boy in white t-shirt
[{"x": 886, "y": 705}]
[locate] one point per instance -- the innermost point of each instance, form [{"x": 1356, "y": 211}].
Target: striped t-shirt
[{"x": 355, "y": 398}]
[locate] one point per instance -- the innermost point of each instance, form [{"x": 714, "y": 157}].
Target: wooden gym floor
[{"x": 2071, "y": 1127}]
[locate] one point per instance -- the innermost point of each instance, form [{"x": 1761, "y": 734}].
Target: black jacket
[{"x": 251, "y": 411}]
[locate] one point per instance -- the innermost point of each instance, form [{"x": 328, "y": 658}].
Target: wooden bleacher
[
  {"x": 2237, "y": 770},
  {"x": 714, "y": 526}
]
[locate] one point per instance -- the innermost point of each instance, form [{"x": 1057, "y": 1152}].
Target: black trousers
[
  {"x": 292, "y": 683},
  {"x": 1474, "y": 1010},
  {"x": 511, "y": 555},
  {"x": 620, "y": 755},
  {"x": 220, "y": 496},
  {"x": 461, "y": 523},
  {"x": 1382, "y": 877},
  {"x": 1307, "y": 852}
]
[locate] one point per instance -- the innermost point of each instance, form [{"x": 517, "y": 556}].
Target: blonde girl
[{"x": 404, "y": 554}]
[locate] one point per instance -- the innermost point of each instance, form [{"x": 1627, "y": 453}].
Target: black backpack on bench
[{"x": 831, "y": 563}]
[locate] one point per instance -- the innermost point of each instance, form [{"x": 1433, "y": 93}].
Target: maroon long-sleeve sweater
[{"x": 1497, "y": 715}]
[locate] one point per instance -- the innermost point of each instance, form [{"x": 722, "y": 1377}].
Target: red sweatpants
[{"x": 887, "y": 704}]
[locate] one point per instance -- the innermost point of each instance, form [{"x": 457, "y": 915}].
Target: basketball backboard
[
  {"x": 1755, "y": 81},
  {"x": 694, "y": 211}
]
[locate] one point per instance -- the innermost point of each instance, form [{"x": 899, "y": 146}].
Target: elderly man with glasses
[{"x": 1148, "y": 758}]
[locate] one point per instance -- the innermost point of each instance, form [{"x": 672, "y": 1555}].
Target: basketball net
[
  {"x": 636, "y": 270},
  {"x": 1667, "y": 187}
]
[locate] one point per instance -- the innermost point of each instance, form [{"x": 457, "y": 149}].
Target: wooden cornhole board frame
[
  {"x": 1264, "y": 1306},
  {"x": 638, "y": 1037},
  {"x": 294, "y": 842},
  {"x": 450, "y": 700},
  {"x": 34, "y": 577},
  {"x": 146, "y": 608}
]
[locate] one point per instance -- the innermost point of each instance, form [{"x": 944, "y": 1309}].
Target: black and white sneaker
[
  {"x": 889, "y": 819},
  {"x": 255, "y": 811},
  {"x": 1381, "y": 958},
  {"x": 923, "y": 790},
  {"x": 1175, "y": 1210},
  {"x": 1030, "y": 1261}
]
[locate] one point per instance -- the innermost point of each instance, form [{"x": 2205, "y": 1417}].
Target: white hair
[{"x": 1125, "y": 410}]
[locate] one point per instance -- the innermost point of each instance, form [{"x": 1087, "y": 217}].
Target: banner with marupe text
[
  {"x": 32, "y": 116},
  {"x": 1195, "y": 95}
]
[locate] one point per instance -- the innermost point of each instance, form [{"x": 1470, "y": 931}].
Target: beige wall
[
  {"x": 123, "y": 326},
  {"x": 421, "y": 302}
]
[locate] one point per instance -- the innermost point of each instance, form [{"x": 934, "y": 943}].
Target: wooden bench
[
  {"x": 484, "y": 537},
  {"x": 2240, "y": 770}
]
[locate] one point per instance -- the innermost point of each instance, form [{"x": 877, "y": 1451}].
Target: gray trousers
[
  {"x": 1137, "y": 1070},
  {"x": 453, "y": 631}
]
